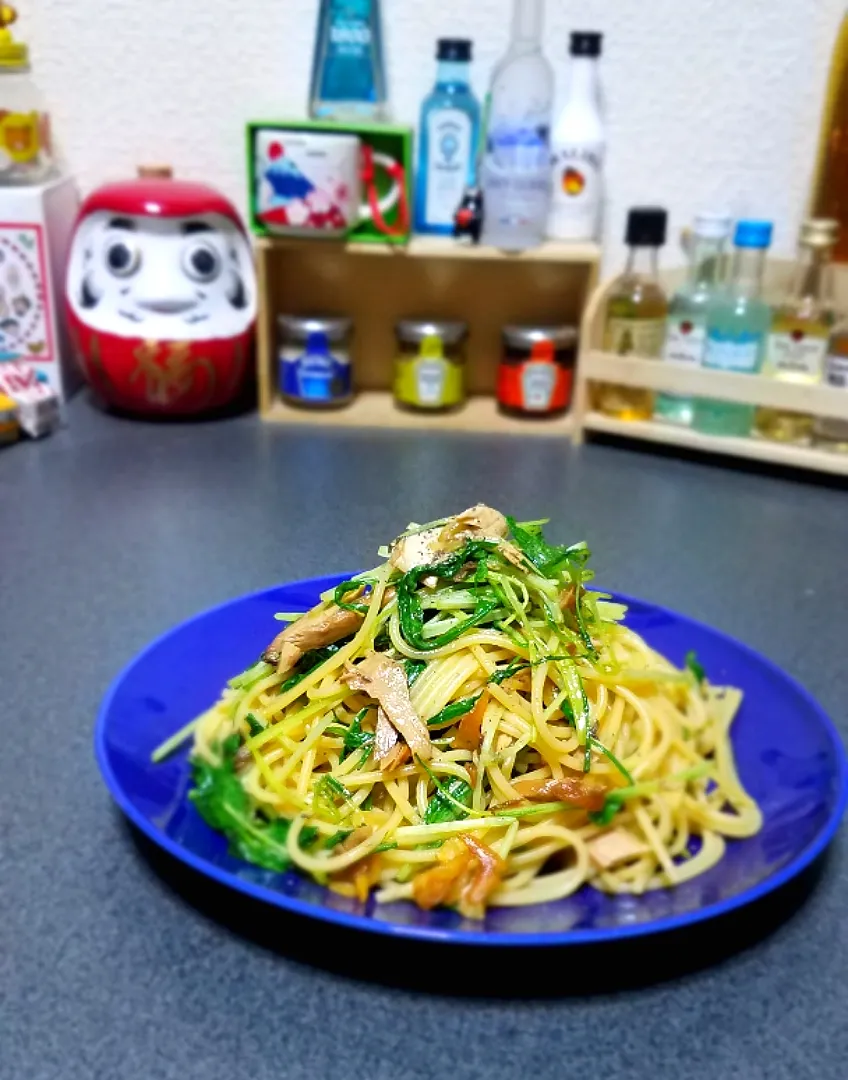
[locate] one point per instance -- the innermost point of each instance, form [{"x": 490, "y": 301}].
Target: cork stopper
[{"x": 155, "y": 172}]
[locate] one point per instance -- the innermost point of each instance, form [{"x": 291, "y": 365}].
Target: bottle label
[
  {"x": 836, "y": 371},
  {"x": 685, "y": 340},
  {"x": 639, "y": 337},
  {"x": 316, "y": 375},
  {"x": 795, "y": 353},
  {"x": 733, "y": 352},
  {"x": 350, "y": 32},
  {"x": 449, "y": 154},
  {"x": 539, "y": 386},
  {"x": 576, "y": 187},
  {"x": 347, "y": 66}
]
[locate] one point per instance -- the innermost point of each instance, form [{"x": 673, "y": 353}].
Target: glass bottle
[
  {"x": 686, "y": 331},
  {"x": 800, "y": 327},
  {"x": 738, "y": 322},
  {"x": 830, "y": 188},
  {"x": 516, "y": 162},
  {"x": 348, "y": 71},
  {"x": 636, "y": 312},
  {"x": 26, "y": 155},
  {"x": 832, "y": 434},
  {"x": 447, "y": 140}
]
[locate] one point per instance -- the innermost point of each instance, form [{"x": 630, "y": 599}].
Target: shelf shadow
[{"x": 532, "y": 972}]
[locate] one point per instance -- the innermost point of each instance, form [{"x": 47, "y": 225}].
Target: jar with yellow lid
[
  {"x": 430, "y": 364},
  {"x": 9, "y": 426},
  {"x": 26, "y": 155}
]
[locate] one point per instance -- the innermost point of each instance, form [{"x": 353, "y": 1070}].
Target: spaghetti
[{"x": 469, "y": 725}]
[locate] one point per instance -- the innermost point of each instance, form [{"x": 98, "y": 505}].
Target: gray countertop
[{"x": 111, "y": 531}]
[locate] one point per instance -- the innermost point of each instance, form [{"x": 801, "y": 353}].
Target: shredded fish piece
[{"x": 385, "y": 680}]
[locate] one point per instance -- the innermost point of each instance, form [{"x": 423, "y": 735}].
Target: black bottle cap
[
  {"x": 646, "y": 226},
  {"x": 453, "y": 49},
  {"x": 586, "y": 43}
]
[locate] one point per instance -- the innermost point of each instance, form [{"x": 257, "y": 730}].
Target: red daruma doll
[{"x": 161, "y": 297}]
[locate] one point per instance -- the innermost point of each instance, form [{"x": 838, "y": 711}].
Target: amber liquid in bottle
[
  {"x": 637, "y": 308},
  {"x": 830, "y": 193},
  {"x": 801, "y": 326}
]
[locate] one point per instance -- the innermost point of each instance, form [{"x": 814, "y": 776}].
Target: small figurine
[
  {"x": 161, "y": 296},
  {"x": 468, "y": 220}
]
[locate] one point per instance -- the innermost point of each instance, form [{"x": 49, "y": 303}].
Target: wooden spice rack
[
  {"x": 596, "y": 366},
  {"x": 431, "y": 277}
]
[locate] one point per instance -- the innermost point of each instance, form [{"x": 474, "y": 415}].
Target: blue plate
[{"x": 789, "y": 755}]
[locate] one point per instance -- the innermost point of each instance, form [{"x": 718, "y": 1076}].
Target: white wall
[{"x": 709, "y": 101}]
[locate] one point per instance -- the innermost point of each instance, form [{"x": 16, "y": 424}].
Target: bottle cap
[
  {"x": 819, "y": 232},
  {"x": 13, "y": 54},
  {"x": 646, "y": 226},
  {"x": 453, "y": 49},
  {"x": 711, "y": 225},
  {"x": 586, "y": 43},
  {"x": 752, "y": 234}
]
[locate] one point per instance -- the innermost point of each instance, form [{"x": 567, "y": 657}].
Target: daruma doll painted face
[{"x": 161, "y": 296}]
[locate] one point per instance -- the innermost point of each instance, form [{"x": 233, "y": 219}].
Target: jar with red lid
[{"x": 537, "y": 370}]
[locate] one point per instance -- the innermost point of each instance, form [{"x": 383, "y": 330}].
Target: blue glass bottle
[
  {"x": 348, "y": 71},
  {"x": 447, "y": 140}
]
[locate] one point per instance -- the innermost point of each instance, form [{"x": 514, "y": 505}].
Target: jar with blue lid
[{"x": 314, "y": 359}]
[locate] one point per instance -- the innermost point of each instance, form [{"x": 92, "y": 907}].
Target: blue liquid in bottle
[
  {"x": 348, "y": 72},
  {"x": 447, "y": 140},
  {"x": 738, "y": 322}
]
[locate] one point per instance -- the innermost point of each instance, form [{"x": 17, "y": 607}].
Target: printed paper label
[
  {"x": 639, "y": 337},
  {"x": 449, "y": 151},
  {"x": 685, "y": 341},
  {"x": 836, "y": 371},
  {"x": 737, "y": 353},
  {"x": 796, "y": 353}
]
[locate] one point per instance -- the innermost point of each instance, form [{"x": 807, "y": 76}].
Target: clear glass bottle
[
  {"x": 738, "y": 321},
  {"x": 800, "y": 328},
  {"x": 686, "y": 331},
  {"x": 636, "y": 312},
  {"x": 447, "y": 140},
  {"x": 26, "y": 154},
  {"x": 516, "y": 162},
  {"x": 348, "y": 70}
]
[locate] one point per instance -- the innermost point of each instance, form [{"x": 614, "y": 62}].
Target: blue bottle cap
[{"x": 752, "y": 234}]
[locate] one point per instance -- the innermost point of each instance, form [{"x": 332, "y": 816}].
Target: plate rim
[{"x": 462, "y": 936}]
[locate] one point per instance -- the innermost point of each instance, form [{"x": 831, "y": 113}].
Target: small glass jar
[
  {"x": 430, "y": 364},
  {"x": 536, "y": 372},
  {"x": 314, "y": 355},
  {"x": 26, "y": 155}
]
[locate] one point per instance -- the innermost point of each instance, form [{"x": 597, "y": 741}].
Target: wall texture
[{"x": 709, "y": 101}]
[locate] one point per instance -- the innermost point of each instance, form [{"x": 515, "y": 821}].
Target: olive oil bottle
[{"x": 637, "y": 308}]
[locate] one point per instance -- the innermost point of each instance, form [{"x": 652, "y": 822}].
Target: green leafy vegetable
[
  {"x": 324, "y": 795},
  {"x": 223, "y": 804},
  {"x": 628, "y": 776},
  {"x": 410, "y": 611},
  {"x": 443, "y": 805},
  {"x": 342, "y": 590},
  {"x": 414, "y": 670},
  {"x": 388, "y": 845},
  {"x": 453, "y": 711},
  {"x": 547, "y": 558},
  {"x": 693, "y": 665},
  {"x": 612, "y": 804},
  {"x": 253, "y": 724},
  {"x": 357, "y": 739},
  {"x": 253, "y": 674},
  {"x": 337, "y": 838},
  {"x": 310, "y": 661},
  {"x": 504, "y": 673}
]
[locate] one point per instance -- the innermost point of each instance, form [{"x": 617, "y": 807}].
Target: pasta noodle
[{"x": 470, "y": 725}]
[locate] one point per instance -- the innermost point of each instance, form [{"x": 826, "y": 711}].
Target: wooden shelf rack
[
  {"x": 597, "y": 366},
  {"x": 379, "y": 284}
]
